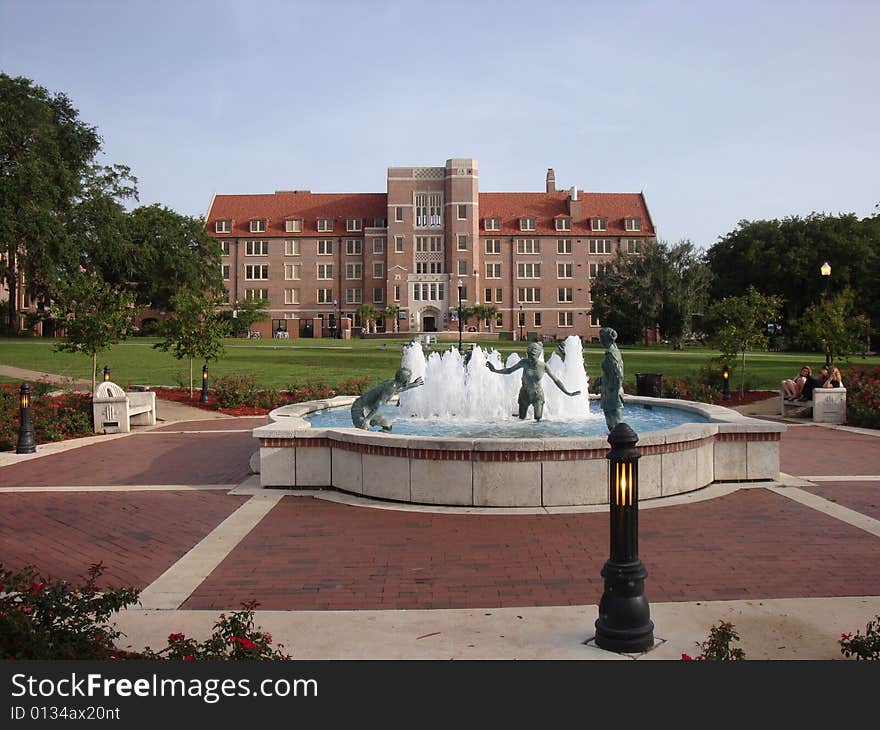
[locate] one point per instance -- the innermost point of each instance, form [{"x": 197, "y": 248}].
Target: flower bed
[
  {"x": 862, "y": 395},
  {"x": 54, "y": 418}
]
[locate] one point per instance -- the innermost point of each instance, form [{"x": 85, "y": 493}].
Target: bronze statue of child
[{"x": 366, "y": 410}]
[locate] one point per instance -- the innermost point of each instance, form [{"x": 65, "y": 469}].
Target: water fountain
[{"x": 457, "y": 441}]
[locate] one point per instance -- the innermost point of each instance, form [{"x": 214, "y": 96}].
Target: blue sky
[{"x": 718, "y": 111}]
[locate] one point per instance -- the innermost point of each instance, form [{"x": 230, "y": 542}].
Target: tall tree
[
  {"x": 832, "y": 326},
  {"x": 368, "y": 314},
  {"x": 45, "y": 153},
  {"x": 485, "y": 313},
  {"x": 391, "y": 312},
  {"x": 93, "y": 314}
]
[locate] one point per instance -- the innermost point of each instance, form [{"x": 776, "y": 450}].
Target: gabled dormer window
[
  {"x": 353, "y": 224},
  {"x": 492, "y": 224},
  {"x": 224, "y": 226},
  {"x": 598, "y": 224},
  {"x": 632, "y": 224},
  {"x": 325, "y": 224},
  {"x": 527, "y": 224},
  {"x": 563, "y": 223},
  {"x": 258, "y": 225},
  {"x": 293, "y": 225}
]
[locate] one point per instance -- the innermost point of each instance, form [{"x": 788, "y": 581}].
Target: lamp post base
[{"x": 624, "y": 624}]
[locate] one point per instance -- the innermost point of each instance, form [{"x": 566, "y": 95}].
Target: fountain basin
[{"x": 484, "y": 472}]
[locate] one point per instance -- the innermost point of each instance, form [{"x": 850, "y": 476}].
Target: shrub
[
  {"x": 233, "y": 391},
  {"x": 862, "y": 395},
  {"x": 54, "y": 418},
  {"x": 234, "y": 637},
  {"x": 43, "y": 618},
  {"x": 353, "y": 386},
  {"x": 310, "y": 389},
  {"x": 717, "y": 646},
  {"x": 863, "y": 647}
]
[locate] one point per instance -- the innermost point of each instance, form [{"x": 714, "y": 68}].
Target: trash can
[{"x": 649, "y": 384}]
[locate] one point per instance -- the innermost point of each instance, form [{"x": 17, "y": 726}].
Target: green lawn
[{"x": 280, "y": 362}]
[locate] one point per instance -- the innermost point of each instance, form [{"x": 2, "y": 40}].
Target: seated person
[
  {"x": 833, "y": 378},
  {"x": 793, "y": 388}
]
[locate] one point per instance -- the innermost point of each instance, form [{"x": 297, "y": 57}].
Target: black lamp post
[
  {"x": 624, "y": 623},
  {"x": 825, "y": 271},
  {"x": 725, "y": 384},
  {"x": 522, "y": 321},
  {"x": 204, "y": 397},
  {"x": 26, "y": 443},
  {"x": 106, "y": 373},
  {"x": 460, "y": 320},
  {"x": 335, "y": 322}
]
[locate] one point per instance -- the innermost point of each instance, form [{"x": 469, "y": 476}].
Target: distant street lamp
[
  {"x": 26, "y": 443},
  {"x": 106, "y": 373},
  {"x": 725, "y": 374},
  {"x": 825, "y": 271},
  {"x": 204, "y": 396},
  {"x": 460, "y": 321},
  {"x": 522, "y": 320},
  {"x": 335, "y": 323}
]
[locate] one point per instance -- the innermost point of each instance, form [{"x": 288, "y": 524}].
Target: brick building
[{"x": 317, "y": 257}]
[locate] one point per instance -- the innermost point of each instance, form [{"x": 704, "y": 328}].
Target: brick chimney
[
  {"x": 575, "y": 206},
  {"x": 551, "y": 180}
]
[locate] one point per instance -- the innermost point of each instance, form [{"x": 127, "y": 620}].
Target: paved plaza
[{"x": 174, "y": 511}]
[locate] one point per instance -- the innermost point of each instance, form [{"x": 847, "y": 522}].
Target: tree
[
  {"x": 244, "y": 315},
  {"x": 45, "y": 153},
  {"x": 739, "y": 324},
  {"x": 196, "y": 330},
  {"x": 663, "y": 286},
  {"x": 93, "y": 315},
  {"x": 832, "y": 326},
  {"x": 391, "y": 312},
  {"x": 487, "y": 312},
  {"x": 368, "y": 314}
]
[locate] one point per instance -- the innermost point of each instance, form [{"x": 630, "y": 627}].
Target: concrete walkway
[{"x": 174, "y": 511}]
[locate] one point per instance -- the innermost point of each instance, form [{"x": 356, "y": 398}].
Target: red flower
[
  {"x": 175, "y": 637},
  {"x": 246, "y": 643},
  {"x": 188, "y": 658},
  {"x": 37, "y": 588},
  {"x": 686, "y": 658}
]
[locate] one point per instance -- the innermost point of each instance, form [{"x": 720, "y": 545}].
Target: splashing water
[{"x": 470, "y": 391}]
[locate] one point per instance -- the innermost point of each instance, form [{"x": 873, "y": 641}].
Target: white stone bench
[
  {"x": 115, "y": 411},
  {"x": 828, "y": 405}
]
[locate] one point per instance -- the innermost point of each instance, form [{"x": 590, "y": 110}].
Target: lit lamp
[
  {"x": 522, "y": 320},
  {"x": 204, "y": 397},
  {"x": 624, "y": 623},
  {"x": 106, "y": 373},
  {"x": 825, "y": 271},
  {"x": 26, "y": 443},
  {"x": 725, "y": 382},
  {"x": 460, "y": 321}
]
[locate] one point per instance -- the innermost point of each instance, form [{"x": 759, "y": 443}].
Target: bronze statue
[
  {"x": 531, "y": 393},
  {"x": 365, "y": 411},
  {"x": 610, "y": 382}
]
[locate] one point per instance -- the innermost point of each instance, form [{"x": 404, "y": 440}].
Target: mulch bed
[
  {"x": 750, "y": 396},
  {"x": 182, "y": 396}
]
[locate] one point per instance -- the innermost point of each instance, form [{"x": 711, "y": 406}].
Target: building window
[
  {"x": 499, "y": 295},
  {"x": 563, "y": 224},
  {"x": 563, "y": 271},
  {"x": 256, "y": 294},
  {"x": 429, "y": 209},
  {"x": 527, "y": 224},
  {"x": 378, "y": 270},
  {"x": 528, "y": 270},
  {"x": 325, "y": 271},
  {"x": 325, "y": 296},
  {"x": 353, "y": 296},
  {"x": 488, "y": 296},
  {"x": 254, "y": 272},
  {"x": 291, "y": 248},
  {"x": 598, "y": 268},
  {"x": 537, "y": 319},
  {"x": 528, "y": 245},
  {"x": 396, "y": 293},
  {"x": 225, "y": 245},
  {"x": 529, "y": 294},
  {"x": 378, "y": 245},
  {"x": 633, "y": 245},
  {"x": 353, "y": 224},
  {"x": 598, "y": 224},
  {"x": 291, "y": 296},
  {"x": 325, "y": 247},
  {"x": 325, "y": 224},
  {"x": 462, "y": 241},
  {"x": 225, "y": 270},
  {"x": 398, "y": 214},
  {"x": 564, "y": 294},
  {"x": 594, "y": 321},
  {"x": 492, "y": 224},
  {"x": 462, "y": 212},
  {"x": 632, "y": 224},
  {"x": 493, "y": 271},
  {"x": 378, "y": 294},
  {"x": 256, "y": 248},
  {"x": 291, "y": 271},
  {"x": 601, "y": 245},
  {"x": 380, "y": 223},
  {"x": 293, "y": 225},
  {"x": 493, "y": 245},
  {"x": 563, "y": 245},
  {"x": 398, "y": 244},
  {"x": 258, "y": 225},
  {"x": 354, "y": 247},
  {"x": 354, "y": 271},
  {"x": 224, "y": 226},
  {"x": 566, "y": 319},
  {"x": 462, "y": 267}
]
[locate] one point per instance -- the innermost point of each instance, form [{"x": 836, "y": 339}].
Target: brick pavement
[
  {"x": 863, "y": 497},
  {"x": 814, "y": 450}
]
